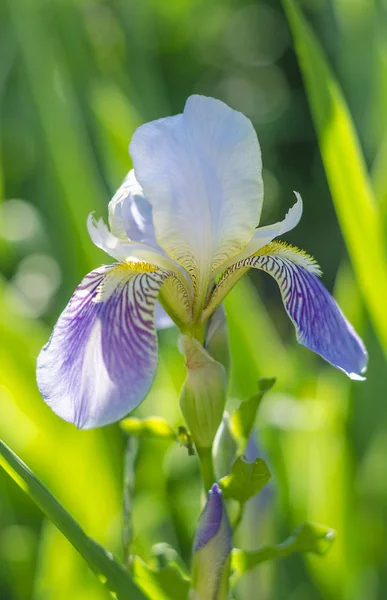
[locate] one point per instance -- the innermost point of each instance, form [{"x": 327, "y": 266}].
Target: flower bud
[
  {"x": 212, "y": 551},
  {"x": 203, "y": 396}
]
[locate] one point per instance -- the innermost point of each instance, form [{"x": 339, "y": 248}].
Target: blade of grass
[
  {"x": 69, "y": 149},
  {"x": 107, "y": 569},
  {"x": 352, "y": 195}
]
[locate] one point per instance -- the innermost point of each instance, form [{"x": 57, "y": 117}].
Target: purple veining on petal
[
  {"x": 319, "y": 322},
  {"x": 210, "y": 519},
  {"x": 101, "y": 358}
]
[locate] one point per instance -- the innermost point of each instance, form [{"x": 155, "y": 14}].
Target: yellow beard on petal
[
  {"x": 138, "y": 266},
  {"x": 235, "y": 272},
  {"x": 119, "y": 274},
  {"x": 296, "y": 254}
]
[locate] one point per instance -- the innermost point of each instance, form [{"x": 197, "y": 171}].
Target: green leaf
[
  {"x": 167, "y": 583},
  {"x": 356, "y": 208},
  {"x": 245, "y": 480},
  {"x": 243, "y": 419},
  {"x": 308, "y": 537},
  {"x": 151, "y": 427},
  {"x": 104, "y": 565}
]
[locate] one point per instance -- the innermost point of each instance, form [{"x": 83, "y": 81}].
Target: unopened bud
[
  {"x": 203, "y": 396},
  {"x": 212, "y": 551},
  {"x": 224, "y": 448}
]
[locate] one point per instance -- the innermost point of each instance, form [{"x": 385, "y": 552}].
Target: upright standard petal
[
  {"x": 201, "y": 172},
  {"x": 102, "y": 355},
  {"x": 211, "y": 550},
  {"x": 320, "y": 324},
  {"x": 264, "y": 235}
]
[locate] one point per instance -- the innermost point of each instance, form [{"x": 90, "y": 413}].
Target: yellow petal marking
[{"x": 235, "y": 272}]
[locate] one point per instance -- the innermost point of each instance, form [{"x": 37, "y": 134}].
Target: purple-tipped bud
[{"x": 212, "y": 550}]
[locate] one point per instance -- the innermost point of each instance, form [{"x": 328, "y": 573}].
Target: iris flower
[{"x": 183, "y": 228}]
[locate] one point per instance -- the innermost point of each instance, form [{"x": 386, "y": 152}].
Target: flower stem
[
  {"x": 206, "y": 467},
  {"x": 238, "y": 517},
  {"x": 127, "y": 503}
]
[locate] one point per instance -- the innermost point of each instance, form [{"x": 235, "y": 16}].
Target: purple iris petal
[
  {"x": 319, "y": 322},
  {"x": 102, "y": 355}
]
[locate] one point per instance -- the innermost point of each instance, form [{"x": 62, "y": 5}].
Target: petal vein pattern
[
  {"x": 102, "y": 356},
  {"x": 320, "y": 324}
]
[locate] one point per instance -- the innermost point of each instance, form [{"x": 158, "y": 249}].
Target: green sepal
[
  {"x": 245, "y": 479},
  {"x": 308, "y": 537}
]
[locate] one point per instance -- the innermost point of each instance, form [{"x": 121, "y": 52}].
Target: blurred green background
[{"x": 76, "y": 78}]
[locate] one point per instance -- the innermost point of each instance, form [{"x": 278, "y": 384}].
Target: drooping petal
[
  {"x": 102, "y": 355},
  {"x": 201, "y": 172},
  {"x": 320, "y": 324},
  {"x": 211, "y": 550},
  {"x": 104, "y": 239},
  {"x": 130, "y": 213},
  {"x": 264, "y": 235}
]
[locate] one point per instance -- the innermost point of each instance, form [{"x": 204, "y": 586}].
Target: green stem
[
  {"x": 238, "y": 517},
  {"x": 206, "y": 467},
  {"x": 127, "y": 503}
]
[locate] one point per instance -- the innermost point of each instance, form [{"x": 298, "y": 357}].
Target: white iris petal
[
  {"x": 265, "y": 235},
  {"x": 201, "y": 172}
]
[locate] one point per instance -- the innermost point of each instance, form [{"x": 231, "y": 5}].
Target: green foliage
[
  {"x": 308, "y": 537},
  {"x": 361, "y": 220},
  {"x": 101, "y": 562},
  {"x": 167, "y": 583},
  {"x": 152, "y": 427},
  {"x": 243, "y": 419},
  {"x": 76, "y": 79},
  {"x": 245, "y": 479}
]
